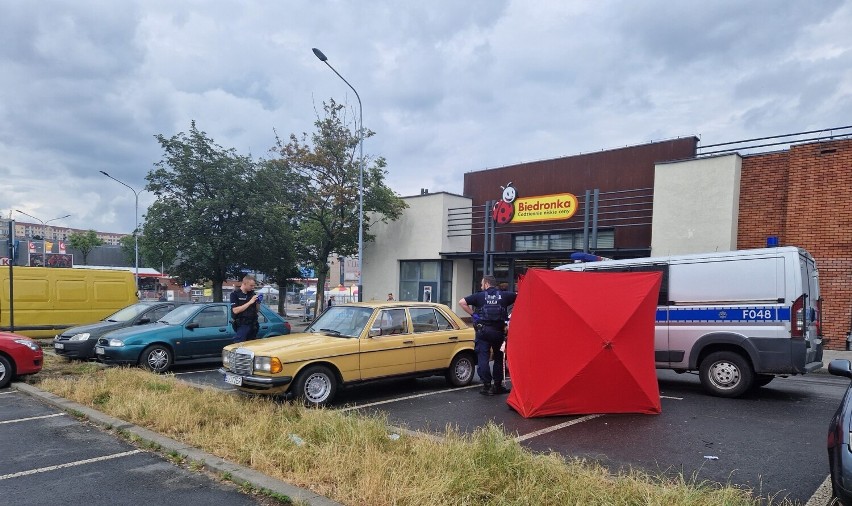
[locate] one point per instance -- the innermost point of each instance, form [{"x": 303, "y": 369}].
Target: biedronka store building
[{"x": 657, "y": 199}]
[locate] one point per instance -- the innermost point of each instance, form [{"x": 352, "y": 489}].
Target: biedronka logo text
[{"x": 511, "y": 209}]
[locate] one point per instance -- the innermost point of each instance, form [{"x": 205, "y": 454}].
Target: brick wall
[{"x": 804, "y": 196}]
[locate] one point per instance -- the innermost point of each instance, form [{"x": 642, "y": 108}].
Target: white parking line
[
  {"x": 350, "y": 408},
  {"x": 556, "y": 427},
  {"x": 32, "y": 418},
  {"x": 572, "y": 422},
  {"x": 70, "y": 464},
  {"x": 9, "y": 392},
  {"x": 195, "y": 372}
]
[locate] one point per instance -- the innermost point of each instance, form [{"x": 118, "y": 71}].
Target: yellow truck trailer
[{"x": 49, "y": 300}]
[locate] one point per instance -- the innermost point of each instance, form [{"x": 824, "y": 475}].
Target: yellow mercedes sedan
[{"x": 353, "y": 343}]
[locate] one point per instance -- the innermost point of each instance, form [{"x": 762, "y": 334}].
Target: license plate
[
  {"x": 58, "y": 346},
  {"x": 99, "y": 350},
  {"x": 233, "y": 379}
]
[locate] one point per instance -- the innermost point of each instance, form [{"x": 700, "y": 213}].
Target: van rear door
[{"x": 810, "y": 288}]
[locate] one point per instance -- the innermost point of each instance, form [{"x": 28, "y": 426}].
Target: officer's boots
[
  {"x": 499, "y": 389},
  {"x": 487, "y": 389}
]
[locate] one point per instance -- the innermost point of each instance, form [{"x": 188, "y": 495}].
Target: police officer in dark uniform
[
  {"x": 490, "y": 322},
  {"x": 244, "y": 307}
]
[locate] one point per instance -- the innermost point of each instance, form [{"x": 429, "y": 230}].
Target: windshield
[
  {"x": 179, "y": 314},
  {"x": 344, "y": 321},
  {"x": 128, "y": 313}
]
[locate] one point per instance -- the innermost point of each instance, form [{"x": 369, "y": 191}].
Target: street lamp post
[
  {"x": 135, "y": 224},
  {"x": 43, "y": 223},
  {"x": 319, "y": 54}
]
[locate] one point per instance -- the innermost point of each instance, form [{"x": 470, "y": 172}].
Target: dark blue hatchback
[{"x": 189, "y": 333}]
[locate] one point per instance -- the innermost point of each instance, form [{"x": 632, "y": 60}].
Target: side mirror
[
  {"x": 193, "y": 325},
  {"x": 375, "y": 331},
  {"x": 840, "y": 367},
  {"x": 143, "y": 321}
]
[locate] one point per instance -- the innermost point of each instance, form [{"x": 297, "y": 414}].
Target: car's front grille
[
  {"x": 241, "y": 362},
  {"x": 64, "y": 337}
]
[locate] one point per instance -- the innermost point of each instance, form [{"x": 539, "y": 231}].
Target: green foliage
[
  {"x": 128, "y": 248},
  {"x": 207, "y": 216},
  {"x": 319, "y": 182},
  {"x": 85, "y": 242}
]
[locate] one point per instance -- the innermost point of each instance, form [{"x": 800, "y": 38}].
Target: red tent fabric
[{"x": 583, "y": 342}]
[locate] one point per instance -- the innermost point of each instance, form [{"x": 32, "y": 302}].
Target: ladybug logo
[{"x": 504, "y": 210}]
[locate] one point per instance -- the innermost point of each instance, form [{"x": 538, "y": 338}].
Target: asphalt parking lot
[
  {"x": 49, "y": 457},
  {"x": 771, "y": 441}
]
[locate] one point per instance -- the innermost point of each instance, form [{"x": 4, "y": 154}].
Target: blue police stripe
[{"x": 724, "y": 314}]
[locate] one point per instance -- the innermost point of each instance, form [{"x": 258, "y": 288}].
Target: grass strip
[{"x": 351, "y": 459}]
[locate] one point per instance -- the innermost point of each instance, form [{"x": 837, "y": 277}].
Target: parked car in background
[
  {"x": 19, "y": 356},
  {"x": 353, "y": 343},
  {"x": 189, "y": 333},
  {"x": 79, "y": 342},
  {"x": 839, "y": 439}
]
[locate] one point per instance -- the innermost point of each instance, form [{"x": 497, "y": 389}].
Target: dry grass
[{"x": 352, "y": 459}]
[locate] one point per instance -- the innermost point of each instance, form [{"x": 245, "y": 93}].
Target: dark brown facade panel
[
  {"x": 619, "y": 169},
  {"x": 629, "y": 168}
]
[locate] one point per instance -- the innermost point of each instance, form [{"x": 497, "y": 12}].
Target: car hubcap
[
  {"x": 2, "y": 371},
  {"x": 724, "y": 375},
  {"x": 317, "y": 387},
  {"x": 464, "y": 369},
  {"x": 157, "y": 359}
]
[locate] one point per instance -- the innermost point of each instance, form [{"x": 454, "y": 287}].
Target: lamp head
[
  {"x": 319, "y": 54},
  {"x": 104, "y": 173}
]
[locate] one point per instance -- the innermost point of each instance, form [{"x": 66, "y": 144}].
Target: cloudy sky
[{"x": 449, "y": 87}]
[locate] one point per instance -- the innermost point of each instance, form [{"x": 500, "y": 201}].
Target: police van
[{"x": 739, "y": 318}]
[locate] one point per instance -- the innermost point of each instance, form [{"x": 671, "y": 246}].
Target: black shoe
[
  {"x": 486, "y": 389},
  {"x": 499, "y": 390}
]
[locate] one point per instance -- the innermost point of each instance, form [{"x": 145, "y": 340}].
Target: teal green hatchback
[{"x": 190, "y": 333}]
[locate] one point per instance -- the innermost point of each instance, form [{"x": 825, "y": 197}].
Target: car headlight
[
  {"x": 29, "y": 344},
  {"x": 116, "y": 342},
  {"x": 80, "y": 337},
  {"x": 226, "y": 358},
  {"x": 268, "y": 364}
]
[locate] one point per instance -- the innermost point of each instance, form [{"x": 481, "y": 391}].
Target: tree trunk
[
  {"x": 217, "y": 290},
  {"x": 320, "y": 295}
]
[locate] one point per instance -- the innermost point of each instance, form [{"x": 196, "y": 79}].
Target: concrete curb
[{"x": 239, "y": 474}]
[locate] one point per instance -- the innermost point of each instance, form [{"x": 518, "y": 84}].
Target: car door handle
[
  {"x": 408, "y": 342},
  {"x": 222, "y": 330},
  {"x": 454, "y": 338}
]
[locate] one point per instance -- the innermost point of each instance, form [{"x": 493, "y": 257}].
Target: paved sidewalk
[
  {"x": 829, "y": 355},
  {"x": 239, "y": 474}
]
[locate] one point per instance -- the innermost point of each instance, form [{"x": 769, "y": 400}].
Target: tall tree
[
  {"x": 319, "y": 179},
  {"x": 85, "y": 242},
  {"x": 203, "y": 208},
  {"x": 159, "y": 255},
  {"x": 127, "y": 243}
]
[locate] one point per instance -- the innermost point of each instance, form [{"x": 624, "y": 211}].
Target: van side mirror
[
  {"x": 375, "y": 331},
  {"x": 193, "y": 325}
]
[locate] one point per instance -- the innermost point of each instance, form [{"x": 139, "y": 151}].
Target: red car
[{"x": 19, "y": 355}]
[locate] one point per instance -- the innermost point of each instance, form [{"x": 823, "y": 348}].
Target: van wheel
[
  {"x": 316, "y": 386},
  {"x": 6, "y": 371},
  {"x": 460, "y": 372},
  {"x": 156, "y": 358},
  {"x": 726, "y": 374}
]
